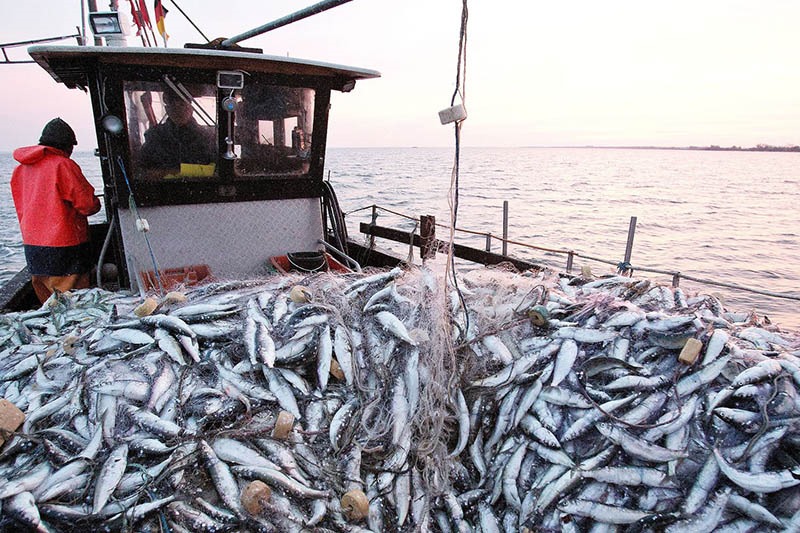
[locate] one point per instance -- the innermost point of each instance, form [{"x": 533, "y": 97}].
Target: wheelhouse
[{"x": 250, "y": 189}]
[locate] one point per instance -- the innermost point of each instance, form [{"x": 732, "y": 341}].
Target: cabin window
[
  {"x": 273, "y": 130},
  {"x": 172, "y": 129}
]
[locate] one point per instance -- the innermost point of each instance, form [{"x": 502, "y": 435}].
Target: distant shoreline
[{"x": 712, "y": 148}]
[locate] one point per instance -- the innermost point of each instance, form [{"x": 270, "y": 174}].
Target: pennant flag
[
  {"x": 145, "y": 15},
  {"x": 137, "y": 19},
  {"x": 160, "y": 12}
]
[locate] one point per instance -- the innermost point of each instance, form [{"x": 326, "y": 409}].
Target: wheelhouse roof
[{"x": 71, "y": 65}]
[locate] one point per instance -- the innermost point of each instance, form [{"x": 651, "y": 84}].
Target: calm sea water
[{"x": 727, "y": 216}]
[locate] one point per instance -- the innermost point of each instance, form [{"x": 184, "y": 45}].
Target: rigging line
[
  {"x": 174, "y": 3},
  {"x": 384, "y": 209}
]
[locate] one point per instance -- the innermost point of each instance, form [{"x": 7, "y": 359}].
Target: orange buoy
[
  {"x": 254, "y": 497},
  {"x": 355, "y": 505},
  {"x": 146, "y": 307},
  {"x": 283, "y": 425},
  {"x": 336, "y": 370}
]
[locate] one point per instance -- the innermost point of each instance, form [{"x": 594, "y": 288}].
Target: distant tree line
[
  {"x": 713, "y": 147},
  {"x": 756, "y": 148}
]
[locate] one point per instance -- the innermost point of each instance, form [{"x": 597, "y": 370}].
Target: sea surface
[{"x": 730, "y": 217}]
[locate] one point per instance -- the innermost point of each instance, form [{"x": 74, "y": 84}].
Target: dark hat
[{"x": 58, "y": 133}]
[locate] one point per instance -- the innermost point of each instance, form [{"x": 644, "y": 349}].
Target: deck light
[
  {"x": 105, "y": 23},
  {"x": 229, "y": 79},
  {"x": 112, "y": 124}
]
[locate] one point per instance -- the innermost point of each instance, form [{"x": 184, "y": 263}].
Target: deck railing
[{"x": 426, "y": 240}]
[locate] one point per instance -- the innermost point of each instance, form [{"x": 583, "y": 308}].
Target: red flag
[
  {"x": 160, "y": 12},
  {"x": 137, "y": 19},
  {"x": 144, "y": 14}
]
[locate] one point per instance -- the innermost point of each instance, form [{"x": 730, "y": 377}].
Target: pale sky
[{"x": 583, "y": 72}]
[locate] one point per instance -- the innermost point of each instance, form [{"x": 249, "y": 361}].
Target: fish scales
[{"x": 224, "y": 481}]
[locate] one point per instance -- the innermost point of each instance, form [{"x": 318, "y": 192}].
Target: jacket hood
[{"x": 29, "y": 155}]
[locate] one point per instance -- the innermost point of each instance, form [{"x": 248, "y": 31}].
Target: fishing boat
[{"x": 259, "y": 204}]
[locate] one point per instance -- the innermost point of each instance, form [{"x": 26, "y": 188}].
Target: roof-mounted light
[{"x": 105, "y": 23}]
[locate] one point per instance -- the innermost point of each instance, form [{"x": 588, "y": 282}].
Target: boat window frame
[
  {"x": 225, "y": 185},
  {"x": 291, "y": 149}
]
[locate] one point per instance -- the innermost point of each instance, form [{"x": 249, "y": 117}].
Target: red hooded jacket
[{"x": 52, "y": 197}]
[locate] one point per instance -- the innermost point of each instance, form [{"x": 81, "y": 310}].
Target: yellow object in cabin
[{"x": 197, "y": 171}]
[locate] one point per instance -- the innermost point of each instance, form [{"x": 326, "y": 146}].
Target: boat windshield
[
  {"x": 172, "y": 129},
  {"x": 273, "y": 130}
]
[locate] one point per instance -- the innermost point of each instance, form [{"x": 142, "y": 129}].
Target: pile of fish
[{"x": 390, "y": 401}]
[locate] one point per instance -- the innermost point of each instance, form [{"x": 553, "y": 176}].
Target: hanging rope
[
  {"x": 460, "y": 90},
  {"x": 141, "y": 225}
]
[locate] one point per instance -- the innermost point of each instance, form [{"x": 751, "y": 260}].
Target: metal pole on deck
[
  {"x": 505, "y": 227},
  {"x": 98, "y": 41},
  {"x": 82, "y": 29},
  {"x": 283, "y": 21},
  {"x": 625, "y": 266}
]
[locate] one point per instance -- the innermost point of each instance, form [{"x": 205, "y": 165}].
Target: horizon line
[{"x": 712, "y": 147}]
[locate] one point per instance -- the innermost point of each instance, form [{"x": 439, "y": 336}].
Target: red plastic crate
[{"x": 173, "y": 277}]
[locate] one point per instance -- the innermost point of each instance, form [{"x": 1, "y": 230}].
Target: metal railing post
[
  {"x": 411, "y": 234},
  {"x": 629, "y": 245},
  {"x": 373, "y": 223},
  {"x": 625, "y": 266},
  {"x": 505, "y": 227},
  {"x": 488, "y": 242}
]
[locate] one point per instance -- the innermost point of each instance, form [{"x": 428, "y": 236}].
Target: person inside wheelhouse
[
  {"x": 172, "y": 130},
  {"x": 177, "y": 140}
]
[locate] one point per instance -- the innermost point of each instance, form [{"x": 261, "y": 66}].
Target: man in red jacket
[{"x": 53, "y": 200}]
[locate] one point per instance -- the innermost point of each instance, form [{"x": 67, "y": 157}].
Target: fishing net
[{"x": 510, "y": 393}]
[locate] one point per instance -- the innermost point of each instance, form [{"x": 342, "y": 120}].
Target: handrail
[
  {"x": 5, "y": 59},
  {"x": 676, "y": 275},
  {"x": 104, "y": 249},
  {"x": 34, "y": 41},
  {"x": 353, "y": 263}
]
